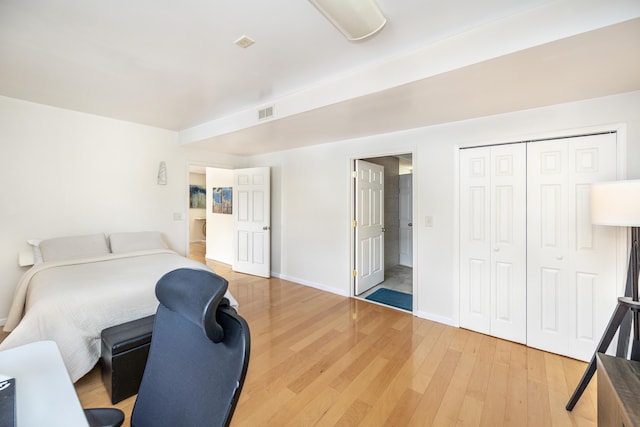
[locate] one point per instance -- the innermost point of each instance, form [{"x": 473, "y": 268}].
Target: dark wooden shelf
[{"x": 618, "y": 391}]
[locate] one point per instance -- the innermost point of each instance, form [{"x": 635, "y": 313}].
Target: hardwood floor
[{"x": 323, "y": 359}]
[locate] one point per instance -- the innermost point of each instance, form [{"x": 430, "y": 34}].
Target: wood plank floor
[{"x": 323, "y": 359}]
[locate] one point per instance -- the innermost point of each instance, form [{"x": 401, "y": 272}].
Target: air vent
[
  {"x": 244, "y": 42},
  {"x": 265, "y": 113}
]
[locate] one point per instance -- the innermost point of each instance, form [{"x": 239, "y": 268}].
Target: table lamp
[{"x": 617, "y": 203}]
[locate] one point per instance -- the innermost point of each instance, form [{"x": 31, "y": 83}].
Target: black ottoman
[{"x": 124, "y": 354}]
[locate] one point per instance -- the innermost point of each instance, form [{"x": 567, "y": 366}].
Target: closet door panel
[
  {"x": 593, "y": 261},
  {"x": 549, "y": 306},
  {"x": 547, "y": 222},
  {"x": 502, "y": 307},
  {"x": 476, "y": 290},
  {"x": 550, "y": 217},
  {"x": 586, "y": 294},
  {"x": 508, "y": 242},
  {"x": 475, "y": 248},
  {"x": 571, "y": 274},
  {"x": 493, "y": 241}
]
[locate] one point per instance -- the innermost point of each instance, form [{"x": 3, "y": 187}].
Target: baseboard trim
[
  {"x": 318, "y": 286},
  {"x": 435, "y": 318}
]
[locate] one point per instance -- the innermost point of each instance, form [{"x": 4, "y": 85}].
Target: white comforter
[{"x": 71, "y": 302}]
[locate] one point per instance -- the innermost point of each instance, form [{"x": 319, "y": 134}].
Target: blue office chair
[{"x": 198, "y": 358}]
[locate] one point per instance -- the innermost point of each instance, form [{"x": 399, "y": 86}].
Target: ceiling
[{"x": 174, "y": 65}]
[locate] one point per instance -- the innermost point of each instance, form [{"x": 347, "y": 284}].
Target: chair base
[{"x": 104, "y": 417}]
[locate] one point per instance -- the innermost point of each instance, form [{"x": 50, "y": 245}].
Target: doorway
[
  {"x": 397, "y": 245},
  {"x": 197, "y": 218}
]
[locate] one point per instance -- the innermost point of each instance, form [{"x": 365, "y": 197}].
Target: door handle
[
  {"x": 384, "y": 229},
  {"x": 266, "y": 227},
  {"x": 410, "y": 224}
]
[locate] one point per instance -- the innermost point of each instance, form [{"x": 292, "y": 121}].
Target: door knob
[
  {"x": 384, "y": 229},
  {"x": 266, "y": 227},
  {"x": 410, "y": 224}
]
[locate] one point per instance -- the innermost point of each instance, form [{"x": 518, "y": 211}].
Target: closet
[{"x": 532, "y": 267}]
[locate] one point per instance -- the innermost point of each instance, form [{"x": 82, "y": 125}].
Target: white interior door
[
  {"x": 493, "y": 241},
  {"x": 406, "y": 221},
  {"x": 252, "y": 221},
  {"x": 571, "y": 274},
  {"x": 369, "y": 225}
]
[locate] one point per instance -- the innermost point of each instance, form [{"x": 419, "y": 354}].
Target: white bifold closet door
[
  {"x": 571, "y": 279},
  {"x": 533, "y": 269},
  {"x": 493, "y": 241}
]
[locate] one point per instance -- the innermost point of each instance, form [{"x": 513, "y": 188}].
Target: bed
[{"x": 84, "y": 284}]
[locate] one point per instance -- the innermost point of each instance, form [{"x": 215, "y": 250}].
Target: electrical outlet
[{"x": 428, "y": 221}]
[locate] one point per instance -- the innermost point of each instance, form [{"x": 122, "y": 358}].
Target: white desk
[{"x": 45, "y": 395}]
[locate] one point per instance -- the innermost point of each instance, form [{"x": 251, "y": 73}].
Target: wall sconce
[
  {"x": 162, "y": 174},
  {"x": 356, "y": 19}
]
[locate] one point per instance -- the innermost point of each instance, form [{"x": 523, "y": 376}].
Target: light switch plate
[{"x": 428, "y": 221}]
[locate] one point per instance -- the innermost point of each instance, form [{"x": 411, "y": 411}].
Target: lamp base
[
  {"x": 620, "y": 320},
  {"x": 622, "y": 309}
]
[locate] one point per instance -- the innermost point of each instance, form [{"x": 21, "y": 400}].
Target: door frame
[
  {"x": 410, "y": 220},
  {"x": 351, "y": 167},
  {"x": 621, "y": 158}
]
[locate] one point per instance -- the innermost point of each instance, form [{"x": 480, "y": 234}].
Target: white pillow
[
  {"x": 136, "y": 241},
  {"x": 63, "y": 248},
  {"x": 37, "y": 254}
]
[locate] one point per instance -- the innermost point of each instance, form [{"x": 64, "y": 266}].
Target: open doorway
[
  {"x": 197, "y": 213},
  {"x": 395, "y": 288},
  {"x": 232, "y": 224}
]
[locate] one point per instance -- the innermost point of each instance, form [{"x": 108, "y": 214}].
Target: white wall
[
  {"x": 311, "y": 190},
  {"x": 219, "y": 226},
  {"x": 68, "y": 173}
]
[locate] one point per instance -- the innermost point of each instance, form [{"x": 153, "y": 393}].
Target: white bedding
[{"x": 72, "y": 301}]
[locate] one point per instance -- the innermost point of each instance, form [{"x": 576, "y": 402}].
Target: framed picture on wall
[
  {"x": 222, "y": 200},
  {"x": 197, "y": 197}
]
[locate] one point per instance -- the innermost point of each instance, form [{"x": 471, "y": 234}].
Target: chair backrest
[{"x": 198, "y": 357}]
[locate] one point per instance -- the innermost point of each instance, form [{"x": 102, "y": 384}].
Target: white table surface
[{"x": 45, "y": 395}]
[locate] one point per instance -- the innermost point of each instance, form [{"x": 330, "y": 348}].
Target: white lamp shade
[
  {"x": 356, "y": 19},
  {"x": 616, "y": 203}
]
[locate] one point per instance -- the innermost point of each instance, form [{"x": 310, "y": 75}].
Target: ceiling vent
[
  {"x": 244, "y": 42},
  {"x": 265, "y": 113}
]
